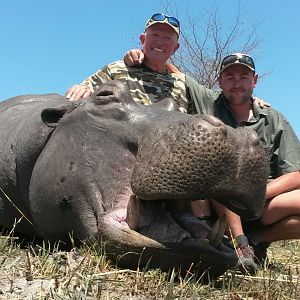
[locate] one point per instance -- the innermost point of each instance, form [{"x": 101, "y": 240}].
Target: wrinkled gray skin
[{"x": 68, "y": 167}]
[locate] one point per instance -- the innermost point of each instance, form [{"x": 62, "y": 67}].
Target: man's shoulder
[
  {"x": 272, "y": 113},
  {"x": 275, "y": 117},
  {"x": 118, "y": 64}
]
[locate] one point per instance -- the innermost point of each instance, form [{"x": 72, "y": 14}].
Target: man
[
  {"x": 149, "y": 82},
  {"x": 234, "y": 106},
  {"x": 281, "y": 217}
]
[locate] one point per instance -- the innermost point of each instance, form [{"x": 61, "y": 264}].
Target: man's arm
[
  {"x": 287, "y": 146},
  {"x": 201, "y": 96},
  {"x": 283, "y": 184},
  {"x": 88, "y": 86},
  {"x": 285, "y": 160}
]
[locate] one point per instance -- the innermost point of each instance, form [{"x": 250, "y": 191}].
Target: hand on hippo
[{"x": 77, "y": 92}]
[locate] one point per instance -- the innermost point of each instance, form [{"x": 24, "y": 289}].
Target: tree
[{"x": 206, "y": 39}]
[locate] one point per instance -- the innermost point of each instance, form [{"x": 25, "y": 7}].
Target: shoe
[
  {"x": 260, "y": 249},
  {"x": 245, "y": 253},
  {"x": 246, "y": 263},
  {"x": 260, "y": 253}
]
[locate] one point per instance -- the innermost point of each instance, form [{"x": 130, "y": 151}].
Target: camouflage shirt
[{"x": 145, "y": 85}]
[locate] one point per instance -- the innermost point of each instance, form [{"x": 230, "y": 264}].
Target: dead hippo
[{"x": 71, "y": 169}]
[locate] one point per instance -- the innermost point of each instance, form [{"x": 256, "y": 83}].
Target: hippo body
[{"x": 71, "y": 169}]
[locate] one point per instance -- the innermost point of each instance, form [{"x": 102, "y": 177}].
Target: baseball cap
[
  {"x": 237, "y": 59},
  {"x": 164, "y": 19}
]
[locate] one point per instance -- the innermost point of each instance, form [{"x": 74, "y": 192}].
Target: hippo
[{"x": 107, "y": 168}]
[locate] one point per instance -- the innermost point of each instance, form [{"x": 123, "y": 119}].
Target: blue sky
[{"x": 48, "y": 46}]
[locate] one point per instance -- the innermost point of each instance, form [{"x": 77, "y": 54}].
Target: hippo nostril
[
  {"x": 223, "y": 130},
  {"x": 72, "y": 165},
  {"x": 105, "y": 93}
]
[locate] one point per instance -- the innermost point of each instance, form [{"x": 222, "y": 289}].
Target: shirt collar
[{"x": 257, "y": 111}]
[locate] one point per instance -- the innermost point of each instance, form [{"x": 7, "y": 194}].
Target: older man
[{"x": 150, "y": 81}]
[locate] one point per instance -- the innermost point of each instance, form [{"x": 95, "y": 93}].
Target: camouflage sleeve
[{"x": 97, "y": 79}]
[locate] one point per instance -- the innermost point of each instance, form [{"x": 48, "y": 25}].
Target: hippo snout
[{"x": 203, "y": 158}]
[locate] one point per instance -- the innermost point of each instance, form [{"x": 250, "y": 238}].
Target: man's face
[
  {"x": 159, "y": 42},
  {"x": 237, "y": 83}
]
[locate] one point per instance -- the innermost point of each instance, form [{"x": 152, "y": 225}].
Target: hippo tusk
[{"x": 217, "y": 232}]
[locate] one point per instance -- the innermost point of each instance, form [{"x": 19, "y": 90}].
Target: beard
[{"x": 239, "y": 98}]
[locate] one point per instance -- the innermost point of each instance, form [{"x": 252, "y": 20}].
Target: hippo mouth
[
  {"x": 148, "y": 234},
  {"x": 160, "y": 222}
]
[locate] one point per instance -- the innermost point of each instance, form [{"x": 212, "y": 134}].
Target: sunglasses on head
[
  {"x": 161, "y": 17},
  {"x": 238, "y": 58}
]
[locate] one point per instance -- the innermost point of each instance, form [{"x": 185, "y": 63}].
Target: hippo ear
[
  {"x": 113, "y": 91},
  {"x": 51, "y": 116}
]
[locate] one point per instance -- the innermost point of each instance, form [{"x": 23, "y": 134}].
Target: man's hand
[
  {"x": 134, "y": 57},
  {"x": 261, "y": 103},
  {"x": 77, "y": 92}
]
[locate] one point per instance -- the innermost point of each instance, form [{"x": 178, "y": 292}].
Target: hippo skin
[{"x": 71, "y": 169}]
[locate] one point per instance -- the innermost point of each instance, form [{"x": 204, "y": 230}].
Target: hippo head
[{"x": 111, "y": 165}]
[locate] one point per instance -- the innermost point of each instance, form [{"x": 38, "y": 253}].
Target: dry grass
[{"x": 85, "y": 273}]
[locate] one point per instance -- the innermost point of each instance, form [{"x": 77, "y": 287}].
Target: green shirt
[
  {"x": 145, "y": 85},
  {"x": 202, "y": 97},
  {"x": 272, "y": 128}
]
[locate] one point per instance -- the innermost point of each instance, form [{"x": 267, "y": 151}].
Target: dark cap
[{"x": 237, "y": 59}]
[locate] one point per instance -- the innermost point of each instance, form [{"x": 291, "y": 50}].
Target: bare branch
[{"x": 206, "y": 39}]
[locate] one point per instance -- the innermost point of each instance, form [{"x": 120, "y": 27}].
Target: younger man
[{"x": 281, "y": 217}]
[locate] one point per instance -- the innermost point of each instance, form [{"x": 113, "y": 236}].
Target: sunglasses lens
[
  {"x": 161, "y": 17},
  {"x": 249, "y": 61},
  {"x": 229, "y": 60},
  {"x": 173, "y": 21},
  {"x": 158, "y": 17},
  {"x": 244, "y": 59}
]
